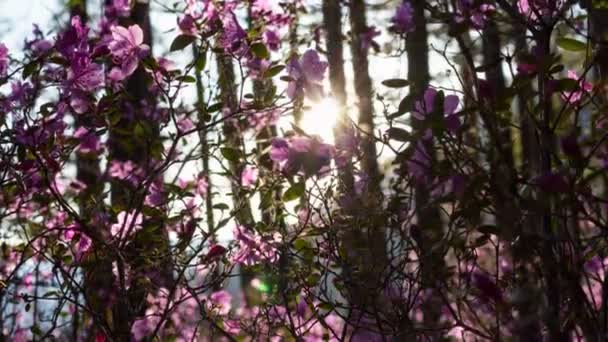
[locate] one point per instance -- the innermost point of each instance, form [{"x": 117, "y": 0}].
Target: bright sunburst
[{"x": 321, "y": 118}]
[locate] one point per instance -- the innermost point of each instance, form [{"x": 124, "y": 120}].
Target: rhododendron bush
[{"x": 185, "y": 194}]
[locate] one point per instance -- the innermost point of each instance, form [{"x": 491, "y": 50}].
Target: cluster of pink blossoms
[{"x": 254, "y": 248}]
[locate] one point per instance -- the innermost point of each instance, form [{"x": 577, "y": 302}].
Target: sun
[{"x": 321, "y": 118}]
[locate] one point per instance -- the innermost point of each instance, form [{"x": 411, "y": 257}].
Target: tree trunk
[
  {"x": 364, "y": 91},
  {"x": 149, "y": 261},
  {"x": 364, "y": 233},
  {"x": 428, "y": 214},
  {"x": 332, "y": 21}
]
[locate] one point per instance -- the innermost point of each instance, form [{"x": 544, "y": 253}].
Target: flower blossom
[
  {"x": 234, "y": 37},
  {"x": 89, "y": 141},
  {"x": 474, "y": 12},
  {"x": 306, "y": 75},
  {"x": 128, "y": 223},
  {"x": 575, "y": 96},
  {"x": 253, "y": 248},
  {"x": 249, "y": 176},
  {"x": 403, "y": 20},
  {"x": 3, "y": 60},
  {"x": 425, "y": 108},
  {"x": 127, "y": 48},
  {"x": 301, "y": 154}
]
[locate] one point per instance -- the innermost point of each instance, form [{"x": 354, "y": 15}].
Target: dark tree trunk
[
  {"x": 149, "y": 260},
  {"x": 332, "y": 21},
  {"x": 364, "y": 234},
  {"x": 428, "y": 214},
  {"x": 364, "y": 91}
]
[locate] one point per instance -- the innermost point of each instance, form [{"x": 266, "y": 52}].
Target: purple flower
[
  {"x": 121, "y": 7},
  {"x": 487, "y": 287},
  {"x": 89, "y": 141},
  {"x": 306, "y": 75},
  {"x": 3, "y": 60},
  {"x": 474, "y": 12},
  {"x": 367, "y": 38},
  {"x": 424, "y": 108},
  {"x": 249, "y": 176},
  {"x": 302, "y": 154},
  {"x": 86, "y": 75},
  {"x": 234, "y": 37},
  {"x": 127, "y": 48},
  {"x": 272, "y": 40},
  {"x": 279, "y": 150},
  {"x": 155, "y": 196},
  {"x": 253, "y": 248},
  {"x": 403, "y": 21}
]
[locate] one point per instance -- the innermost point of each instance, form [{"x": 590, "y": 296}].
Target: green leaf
[
  {"x": 272, "y": 72},
  {"x": 399, "y": 134},
  {"x": 29, "y": 69},
  {"x": 222, "y": 223},
  {"x": 231, "y": 154},
  {"x": 260, "y": 50},
  {"x": 294, "y": 192},
  {"x": 570, "y": 44},
  {"x": 181, "y": 41},
  {"x": 301, "y": 244},
  {"x": 214, "y": 107},
  {"x": 396, "y": 83},
  {"x": 221, "y": 206},
  {"x": 188, "y": 79},
  {"x": 201, "y": 61}
]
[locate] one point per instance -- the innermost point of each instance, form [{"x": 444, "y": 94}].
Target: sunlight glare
[{"x": 321, "y": 118}]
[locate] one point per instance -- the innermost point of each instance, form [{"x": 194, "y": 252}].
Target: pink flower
[
  {"x": 126, "y": 171},
  {"x": 576, "y": 95},
  {"x": 185, "y": 125},
  {"x": 306, "y": 75},
  {"x": 253, "y": 248},
  {"x": 201, "y": 187},
  {"x": 3, "y": 60},
  {"x": 220, "y": 302},
  {"x": 249, "y": 176},
  {"x": 128, "y": 223},
  {"x": 127, "y": 48},
  {"x": 259, "y": 120},
  {"x": 545, "y": 8}
]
